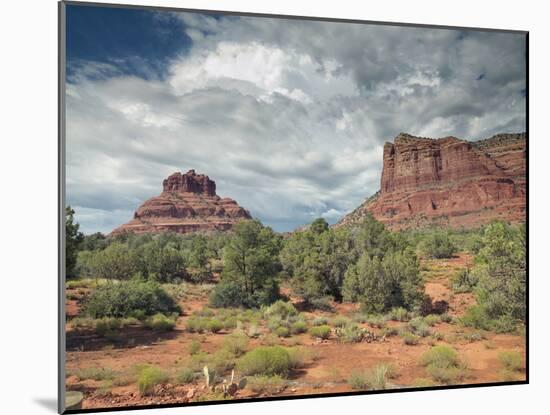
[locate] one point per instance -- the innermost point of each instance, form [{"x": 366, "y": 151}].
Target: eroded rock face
[
  {"x": 449, "y": 181},
  {"x": 188, "y": 203}
]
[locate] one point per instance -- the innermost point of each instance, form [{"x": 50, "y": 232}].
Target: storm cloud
[{"x": 289, "y": 117}]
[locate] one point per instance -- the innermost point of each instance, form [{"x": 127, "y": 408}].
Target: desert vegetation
[{"x": 175, "y": 318}]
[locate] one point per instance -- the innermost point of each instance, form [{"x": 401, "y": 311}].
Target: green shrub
[
  {"x": 205, "y": 312},
  {"x": 281, "y": 309},
  {"x": 148, "y": 378},
  {"x": 376, "y": 321},
  {"x": 185, "y": 375},
  {"x": 510, "y": 360},
  {"x": 266, "y": 384},
  {"x": 390, "y": 369},
  {"x": 298, "y": 327},
  {"x": 82, "y": 322},
  {"x": 105, "y": 389},
  {"x": 340, "y": 321},
  {"x": 319, "y": 321},
  {"x": 221, "y": 361},
  {"x": 443, "y": 365},
  {"x": 350, "y": 333},
  {"x": 214, "y": 325},
  {"x": 126, "y": 298},
  {"x": 226, "y": 294},
  {"x": 376, "y": 378},
  {"x": 447, "y": 375},
  {"x": 410, "y": 339},
  {"x": 199, "y": 360},
  {"x": 419, "y": 327},
  {"x": 194, "y": 347},
  {"x": 446, "y": 318},
  {"x": 358, "y": 380},
  {"x": 236, "y": 343},
  {"x": 274, "y": 322},
  {"x": 271, "y": 360},
  {"x": 399, "y": 314},
  {"x": 196, "y": 324},
  {"x": 508, "y": 375},
  {"x": 160, "y": 322},
  {"x": 282, "y": 331},
  {"x": 107, "y": 325},
  {"x": 476, "y": 317},
  {"x": 432, "y": 319},
  {"x": 440, "y": 356},
  {"x": 504, "y": 324},
  {"x": 129, "y": 321},
  {"x": 299, "y": 357},
  {"x": 253, "y": 331},
  {"x": 95, "y": 373},
  {"x": 373, "y": 379},
  {"x": 321, "y": 332},
  {"x": 230, "y": 323},
  {"x": 438, "y": 245},
  {"x": 464, "y": 281}
]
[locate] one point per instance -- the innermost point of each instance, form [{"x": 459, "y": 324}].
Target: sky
[{"x": 288, "y": 117}]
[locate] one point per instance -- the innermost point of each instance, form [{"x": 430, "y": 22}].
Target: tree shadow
[{"x": 128, "y": 337}]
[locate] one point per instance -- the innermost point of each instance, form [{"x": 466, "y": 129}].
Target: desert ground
[{"x": 105, "y": 366}]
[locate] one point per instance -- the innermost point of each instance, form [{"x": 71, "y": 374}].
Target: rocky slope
[
  {"x": 188, "y": 203},
  {"x": 449, "y": 181}
]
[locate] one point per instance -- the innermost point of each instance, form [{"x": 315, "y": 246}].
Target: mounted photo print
[{"x": 263, "y": 207}]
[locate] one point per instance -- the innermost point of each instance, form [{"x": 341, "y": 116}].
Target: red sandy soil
[{"x": 328, "y": 373}]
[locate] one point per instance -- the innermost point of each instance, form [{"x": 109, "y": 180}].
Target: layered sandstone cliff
[
  {"x": 449, "y": 181},
  {"x": 188, "y": 203}
]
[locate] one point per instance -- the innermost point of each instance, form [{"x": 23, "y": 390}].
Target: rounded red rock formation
[{"x": 188, "y": 203}]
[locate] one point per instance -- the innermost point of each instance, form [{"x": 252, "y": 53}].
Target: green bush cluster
[
  {"x": 350, "y": 333},
  {"x": 465, "y": 281},
  {"x": 149, "y": 377},
  {"x": 511, "y": 360},
  {"x": 164, "y": 257},
  {"x": 438, "y": 244},
  {"x": 160, "y": 322},
  {"x": 185, "y": 375},
  {"x": 236, "y": 343},
  {"x": 269, "y": 360},
  {"x": 320, "y": 332},
  {"x": 198, "y": 324},
  {"x": 129, "y": 299},
  {"x": 373, "y": 379},
  {"x": 443, "y": 364},
  {"x": 410, "y": 339}
]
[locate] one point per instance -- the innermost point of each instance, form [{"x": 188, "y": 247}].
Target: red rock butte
[
  {"x": 188, "y": 203},
  {"x": 450, "y": 182}
]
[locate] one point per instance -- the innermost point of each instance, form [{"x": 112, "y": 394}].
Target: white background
[{"x": 28, "y": 194}]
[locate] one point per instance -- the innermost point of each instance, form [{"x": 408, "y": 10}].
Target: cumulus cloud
[{"x": 288, "y": 117}]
